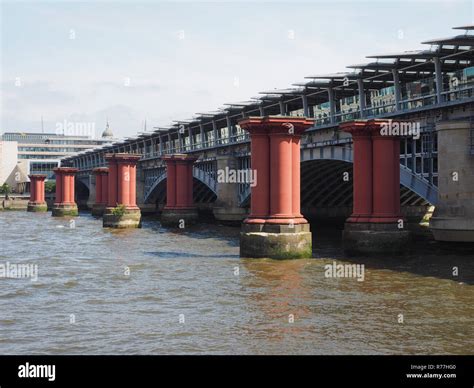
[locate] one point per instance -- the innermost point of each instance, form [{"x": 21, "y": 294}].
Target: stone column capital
[
  {"x": 276, "y": 125},
  {"x": 39, "y": 177},
  {"x": 100, "y": 170},
  {"x": 65, "y": 170}
]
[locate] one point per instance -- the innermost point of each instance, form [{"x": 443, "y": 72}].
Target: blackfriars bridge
[{"x": 431, "y": 90}]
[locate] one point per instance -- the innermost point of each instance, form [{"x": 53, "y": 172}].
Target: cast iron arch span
[
  {"x": 204, "y": 188},
  {"x": 323, "y": 183}
]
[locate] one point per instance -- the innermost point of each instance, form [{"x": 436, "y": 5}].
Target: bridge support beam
[
  {"x": 275, "y": 228},
  {"x": 453, "y": 218},
  {"x": 122, "y": 210},
  {"x": 179, "y": 210},
  {"x": 226, "y": 207},
  {"x": 376, "y": 225},
  {"x": 101, "y": 190},
  {"x": 37, "y": 202},
  {"x": 64, "y": 204}
]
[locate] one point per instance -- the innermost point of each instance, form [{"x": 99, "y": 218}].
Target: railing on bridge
[
  {"x": 417, "y": 156},
  {"x": 415, "y": 95}
]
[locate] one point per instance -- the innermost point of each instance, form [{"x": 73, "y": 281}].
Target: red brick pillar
[
  {"x": 362, "y": 170},
  {"x": 374, "y": 225},
  {"x": 105, "y": 186},
  {"x": 112, "y": 198},
  {"x": 296, "y": 177},
  {"x": 65, "y": 204},
  {"x": 275, "y": 227},
  {"x": 37, "y": 202},
  {"x": 179, "y": 184},
  {"x": 179, "y": 191},
  {"x": 98, "y": 186},
  {"x": 170, "y": 182},
  {"x": 386, "y": 176},
  {"x": 133, "y": 185},
  {"x": 190, "y": 184},
  {"x": 275, "y": 157},
  {"x": 101, "y": 190},
  {"x": 260, "y": 198},
  {"x": 122, "y": 180},
  {"x": 59, "y": 187},
  {"x": 376, "y": 172},
  {"x": 121, "y": 183},
  {"x": 182, "y": 184},
  {"x": 281, "y": 180}
]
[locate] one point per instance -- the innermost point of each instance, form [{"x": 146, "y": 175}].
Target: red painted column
[
  {"x": 105, "y": 186},
  {"x": 37, "y": 189},
  {"x": 40, "y": 186},
  {"x": 32, "y": 188},
  {"x": 59, "y": 187},
  {"x": 132, "y": 202},
  {"x": 101, "y": 189},
  {"x": 112, "y": 180},
  {"x": 170, "y": 182},
  {"x": 386, "y": 177},
  {"x": 72, "y": 189},
  {"x": 296, "y": 177},
  {"x": 123, "y": 180},
  {"x": 181, "y": 183},
  {"x": 275, "y": 157},
  {"x": 376, "y": 173},
  {"x": 98, "y": 186},
  {"x": 362, "y": 170},
  {"x": 37, "y": 202},
  {"x": 66, "y": 188},
  {"x": 260, "y": 164},
  {"x": 65, "y": 185},
  {"x": 396, "y": 177},
  {"x": 190, "y": 200},
  {"x": 281, "y": 205},
  {"x": 376, "y": 191}
]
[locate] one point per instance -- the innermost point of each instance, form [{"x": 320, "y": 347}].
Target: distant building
[
  {"x": 8, "y": 162},
  {"x": 26, "y": 153}
]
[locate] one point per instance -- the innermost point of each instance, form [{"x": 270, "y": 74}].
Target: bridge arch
[
  {"x": 204, "y": 188},
  {"x": 327, "y": 183},
  {"x": 82, "y": 190}
]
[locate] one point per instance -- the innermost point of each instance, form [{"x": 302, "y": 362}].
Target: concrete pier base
[
  {"x": 37, "y": 207},
  {"x": 65, "y": 210},
  {"x": 98, "y": 210},
  {"x": 121, "y": 218},
  {"x": 452, "y": 228},
  {"x": 453, "y": 218},
  {"x": 174, "y": 218},
  {"x": 275, "y": 241},
  {"x": 229, "y": 214},
  {"x": 374, "y": 239}
]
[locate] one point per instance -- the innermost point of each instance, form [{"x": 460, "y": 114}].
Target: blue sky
[{"x": 163, "y": 61}]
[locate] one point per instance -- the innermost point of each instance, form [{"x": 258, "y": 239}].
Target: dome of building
[{"x": 107, "y": 134}]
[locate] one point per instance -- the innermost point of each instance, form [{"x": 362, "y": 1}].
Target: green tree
[
  {"x": 50, "y": 187},
  {"x": 5, "y": 189}
]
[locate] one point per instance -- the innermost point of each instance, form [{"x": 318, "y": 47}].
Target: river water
[{"x": 156, "y": 291}]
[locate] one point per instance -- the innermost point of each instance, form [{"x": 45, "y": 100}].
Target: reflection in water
[
  {"x": 281, "y": 296},
  {"x": 152, "y": 290}
]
